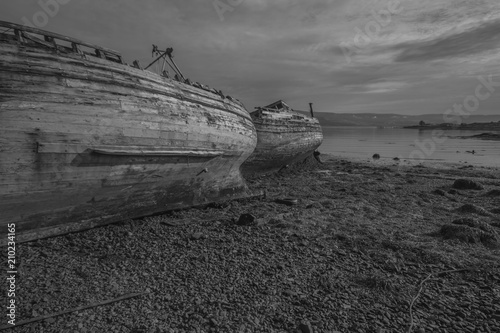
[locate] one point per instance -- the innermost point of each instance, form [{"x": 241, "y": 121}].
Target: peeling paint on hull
[
  {"x": 85, "y": 141},
  {"x": 283, "y": 138}
]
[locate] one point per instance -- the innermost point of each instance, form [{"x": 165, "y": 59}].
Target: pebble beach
[{"x": 338, "y": 246}]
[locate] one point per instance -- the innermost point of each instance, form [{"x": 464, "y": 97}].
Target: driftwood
[
  {"x": 410, "y": 328},
  {"x": 93, "y": 305}
]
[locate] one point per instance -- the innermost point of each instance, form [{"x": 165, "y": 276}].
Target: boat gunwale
[
  {"x": 78, "y": 55},
  {"x": 38, "y": 31},
  {"x": 177, "y": 88}
]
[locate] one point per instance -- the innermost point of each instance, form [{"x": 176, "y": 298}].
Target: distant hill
[
  {"x": 390, "y": 119},
  {"x": 483, "y": 126}
]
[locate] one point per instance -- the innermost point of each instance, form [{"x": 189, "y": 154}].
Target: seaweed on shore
[{"x": 349, "y": 255}]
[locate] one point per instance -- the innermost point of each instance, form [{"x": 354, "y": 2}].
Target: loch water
[{"x": 411, "y": 145}]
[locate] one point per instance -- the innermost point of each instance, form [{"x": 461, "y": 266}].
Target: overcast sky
[{"x": 411, "y": 57}]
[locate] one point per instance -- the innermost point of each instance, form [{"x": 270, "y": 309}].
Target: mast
[
  {"x": 169, "y": 53},
  {"x": 164, "y": 54},
  {"x": 311, "y": 109}
]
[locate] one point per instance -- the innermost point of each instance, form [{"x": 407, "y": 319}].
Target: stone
[
  {"x": 197, "y": 236},
  {"x": 474, "y": 233},
  {"x": 473, "y": 209},
  {"x": 439, "y": 192},
  {"x": 246, "y": 219},
  {"x": 305, "y": 327},
  {"x": 287, "y": 201},
  {"x": 493, "y": 193},
  {"x": 467, "y": 184}
]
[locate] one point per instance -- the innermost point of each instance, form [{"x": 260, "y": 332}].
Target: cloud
[
  {"x": 457, "y": 44},
  {"x": 384, "y": 87},
  {"x": 265, "y": 50}
]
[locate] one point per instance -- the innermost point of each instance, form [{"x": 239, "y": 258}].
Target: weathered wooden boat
[
  {"x": 284, "y": 136},
  {"x": 86, "y": 139}
]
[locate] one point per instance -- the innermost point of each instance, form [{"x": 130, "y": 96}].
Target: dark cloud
[
  {"x": 264, "y": 50},
  {"x": 462, "y": 44}
]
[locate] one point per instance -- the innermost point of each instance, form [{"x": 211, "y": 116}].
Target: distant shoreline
[
  {"x": 473, "y": 126},
  {"x": 482, "y": 136}
]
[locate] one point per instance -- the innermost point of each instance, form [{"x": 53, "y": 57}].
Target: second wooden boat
[{"x": 284, "y": 136}]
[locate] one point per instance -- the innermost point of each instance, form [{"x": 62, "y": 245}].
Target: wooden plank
[
  {"x": 128, "y": 151},
  {"x": 87, "y": 178},
  {"x": 192, "y": 90},
  {"x": 54, "y": 35},
  {"x": 67, "y": 148},
  {"x": 27, "y": 141},
  {"x": 124, "y": 134}
]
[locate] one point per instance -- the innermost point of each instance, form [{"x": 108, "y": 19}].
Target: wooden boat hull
[
  {"x": 282, "y": 141},
  {"x": 85, "y": 141}
]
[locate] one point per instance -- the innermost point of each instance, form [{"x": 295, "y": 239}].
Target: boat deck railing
[
  {"x": 23, "y": 34},
  {"x": 284, "y": 113},
  {"x": 273, "y": 110},
  {"x": 281, "y": 111}
]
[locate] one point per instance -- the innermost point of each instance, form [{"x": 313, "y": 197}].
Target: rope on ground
[
  {"x": 410, "y": 329},
  {"x": 93, "y": 305}
]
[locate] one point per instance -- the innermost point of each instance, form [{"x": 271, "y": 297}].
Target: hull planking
[
  {"x": 86, "y": 140},
  {"x": 284, "y": 137}
]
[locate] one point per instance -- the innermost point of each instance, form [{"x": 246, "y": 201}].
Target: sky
[{"x": 345, "y": 56}]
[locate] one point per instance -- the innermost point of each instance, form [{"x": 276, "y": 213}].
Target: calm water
[{"x": 410, "y": 144}]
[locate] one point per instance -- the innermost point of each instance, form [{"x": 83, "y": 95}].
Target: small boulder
[
  {"x": 287, "y": 201},
  {"x": 439, "y": 192},
  {"x": 467, "y": 184},
  {"x": 376, "y": 156},
  {"x": 246, "y": 219},
  {"x": 305, "y": 327},
  {"x": 316, "y": 205},
  {"x": 493, "y": 193},
  {"x": 467, "y": 234},
  {"x": 473, "y": 223},
  {"x": 473, "y": 209},
  {"x": 197, "y": 236}
]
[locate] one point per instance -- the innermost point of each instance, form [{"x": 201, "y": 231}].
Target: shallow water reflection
[{"x": 360, "y": 142}]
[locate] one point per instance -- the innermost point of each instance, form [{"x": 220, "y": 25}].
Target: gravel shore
[{"x": 359, "y": 247}]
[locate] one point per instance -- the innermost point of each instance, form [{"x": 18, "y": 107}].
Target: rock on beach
[{"x": 347, "y": 257}]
